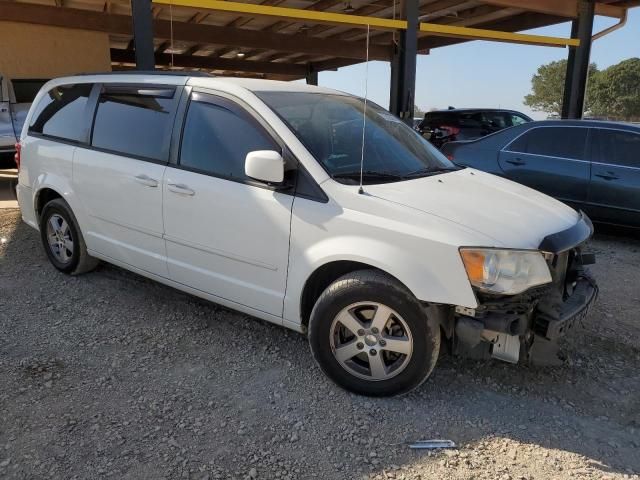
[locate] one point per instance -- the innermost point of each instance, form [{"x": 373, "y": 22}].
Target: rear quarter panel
[{"x": 45, "y": 164}]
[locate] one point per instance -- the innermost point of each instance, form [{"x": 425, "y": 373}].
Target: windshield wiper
[
  {"x": 368, "y": 174},
  {"x": 427, "y": 172}
]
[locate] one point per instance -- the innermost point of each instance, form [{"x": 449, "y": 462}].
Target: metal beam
[
  {"x": 403, "y": 66},
  {"x": 288, "y": 13},
  {"x": 568, "y": 78},
  {"x": 482, "y": 15},
  {"x": 311, "y": 77},
  {"x": 364, "y": 21},
  {"x": 209, "y": 63},
  {"x": 578, "y": 64},
  {"x": 189, "y": 32},
  {"x": 482, "y": 34},
  {"x": 274, "y": 27},
  {"x": 564, "y": 8},
  {"x": 518, "y": 23},
  {"x": 143, "y": 33}
]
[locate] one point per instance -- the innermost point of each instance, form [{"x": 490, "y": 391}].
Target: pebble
[{"x": 137, "y": 365}]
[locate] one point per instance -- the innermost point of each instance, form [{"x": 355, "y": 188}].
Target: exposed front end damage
[{"x": 526, "y": 327}]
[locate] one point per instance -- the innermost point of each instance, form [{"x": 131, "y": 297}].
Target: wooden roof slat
[{"x": 189, "y": 32}]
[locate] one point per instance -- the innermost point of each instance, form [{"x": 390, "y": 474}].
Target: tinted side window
[
  {"x": 470, "y": 120},
  {"x": 134, "y": 122},
  {"x": 217, "y": 138},
  {"x": 495, "y": 119},
  {"x": 61, "y": 113},
  {"x": 617, "y": 147},
  {"x": 563, "y": 142},
  {"x": 436, "y": 119},
  {"x": 517, "y": 119}
]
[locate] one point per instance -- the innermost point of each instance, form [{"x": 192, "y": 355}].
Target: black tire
[
  {"x": 80, "y": 261},
  {"x": 374, "y": 286}
]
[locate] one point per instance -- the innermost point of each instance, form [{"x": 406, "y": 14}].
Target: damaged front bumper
[
  {"x": 526, "y": 327},
  {"x": 557, "y": 319}
]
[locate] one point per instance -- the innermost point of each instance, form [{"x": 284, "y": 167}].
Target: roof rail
[{"x": 180, "y": 73}]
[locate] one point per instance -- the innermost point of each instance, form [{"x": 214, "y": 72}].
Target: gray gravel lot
[{"x": 109, "y": 375}]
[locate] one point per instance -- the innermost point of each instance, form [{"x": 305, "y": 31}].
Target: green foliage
[
  {"x": 547, "y": 87},
  {"x": 615, "y": 92}
]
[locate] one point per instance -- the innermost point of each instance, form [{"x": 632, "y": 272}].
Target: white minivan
[{"x": 307, "y": 208}]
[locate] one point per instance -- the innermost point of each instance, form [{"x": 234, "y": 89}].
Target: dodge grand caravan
[{"x": 263, "y": 197}]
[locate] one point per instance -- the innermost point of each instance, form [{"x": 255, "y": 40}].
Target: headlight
[{"x": 507, "y": 272}]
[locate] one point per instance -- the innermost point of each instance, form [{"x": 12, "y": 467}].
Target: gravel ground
[{"x": 109, "y": 375}]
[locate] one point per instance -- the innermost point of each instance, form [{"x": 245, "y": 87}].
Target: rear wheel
[
  {"x": 62, "y": 239},
  {"x": 370, "y": 335}
]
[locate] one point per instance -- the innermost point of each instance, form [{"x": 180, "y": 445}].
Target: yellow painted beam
[
  {"x": 290, "y": 13},
  {"x": 436, "y": 29},
  {"x": 312, "y": 16}
]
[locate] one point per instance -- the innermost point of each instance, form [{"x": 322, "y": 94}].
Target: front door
[
  {"x": 552, "y": 160},
  {"x": 226, "y": 235},
  {"x": 614, "y": 194},
  {"x": 119, "y": 176}
]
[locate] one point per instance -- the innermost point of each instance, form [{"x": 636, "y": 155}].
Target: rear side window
[
  {"x": 435, "y": 119},
  {"x": 135, "y": 122},
  {"x": 495, "y": 119},
  {"x": 516, "y": 119},
  {"x": 217, "y": 137},
  {"x": 470, "y": 120},
  {"x": 562, "y": 142},
  {"x": 617, "y": 147},
  {"x": 61, "y": 113}
]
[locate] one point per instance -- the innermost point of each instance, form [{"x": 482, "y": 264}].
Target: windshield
[{"x": 330, "y": 126}]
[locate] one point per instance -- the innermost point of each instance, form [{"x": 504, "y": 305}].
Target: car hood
[{"x": 512, "y": 215}]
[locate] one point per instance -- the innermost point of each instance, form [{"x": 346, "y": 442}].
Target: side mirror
[{"x": 264, "y": 165}]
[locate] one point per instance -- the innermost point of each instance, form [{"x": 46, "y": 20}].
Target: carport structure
[{"x": 291, "y": 39}]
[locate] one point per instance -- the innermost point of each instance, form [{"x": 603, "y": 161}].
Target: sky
[{"x": 485, "y": 74}]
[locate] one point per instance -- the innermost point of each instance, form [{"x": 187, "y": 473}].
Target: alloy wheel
[
  {"x": 371, "y": 341},
  {"x": 60, "y": 238}
]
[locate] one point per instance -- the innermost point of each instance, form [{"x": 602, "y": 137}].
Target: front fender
[{"x": 435, "y": 274}]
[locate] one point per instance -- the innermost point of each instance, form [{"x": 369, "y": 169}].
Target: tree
[
  {"x": 417, "y": 111},
  {"x": 547, "y": 87},
  {"x": 615, "y": 93}
]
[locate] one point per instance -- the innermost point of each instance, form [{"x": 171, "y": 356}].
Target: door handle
[
  {"x": 180, "y": 189},
  {"x": 607, "y": 176},
  {"x": 517, "y": 162},
  {"x": 146, "y": 180}
]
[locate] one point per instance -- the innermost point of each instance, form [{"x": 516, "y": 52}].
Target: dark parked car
[
  {"x": 591, "y": 165},
  {"x": 442, "y": 126}
]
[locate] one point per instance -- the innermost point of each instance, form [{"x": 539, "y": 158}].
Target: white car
[{"x": 247, "y": 193}]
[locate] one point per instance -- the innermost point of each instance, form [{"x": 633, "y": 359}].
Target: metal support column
[
  {"x": 403, "y": 65},
  {"x": 575, "y": 86},
  {"x": 312, "y": 77},
  {"x": 143, "y": 34}
]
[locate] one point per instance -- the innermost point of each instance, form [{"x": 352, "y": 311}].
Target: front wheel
[{"x": 371, "y": 336}]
